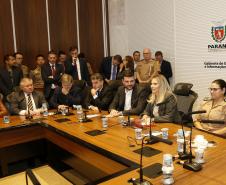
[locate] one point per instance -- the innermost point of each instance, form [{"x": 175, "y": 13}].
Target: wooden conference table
[{"x": 110, "y": 151}]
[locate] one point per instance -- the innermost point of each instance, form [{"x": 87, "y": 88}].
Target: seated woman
[
  {"x": 162, "y": 104},
  {"x": 215, "y": 109},
  {"x": 67, "y": 95},
  {"x": 3, "y": 110}
]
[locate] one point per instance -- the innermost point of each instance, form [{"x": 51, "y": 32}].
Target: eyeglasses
[{"x": 213, "y": 89}]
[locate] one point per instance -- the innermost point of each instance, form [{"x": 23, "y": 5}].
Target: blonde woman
[
  {"x": 162, "y": 104},
  {"x": 67, "y": 95},
  {"x": 215, "y": 109}
]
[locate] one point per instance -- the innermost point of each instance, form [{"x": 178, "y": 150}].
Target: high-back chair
[{"x": 185, "y": 100}]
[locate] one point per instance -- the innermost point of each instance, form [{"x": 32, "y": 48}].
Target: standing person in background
[
  {"x": 136, "y": 58},
  {"x": 62, "y": 57},
  {"x": 76, "y": 67},
  {"x": 165, "y": 66},
  {"x": 82, "y": 56},
  {"x": 215, "y": 109},
  {"x": 10, "y": 76},
  {"x": 110, "y": 67},
  {"x": 146, "y": 68},
  {"x": 127, "y": 64},
  {"x": 36, "y": 74},
  {"x": 51, "y": 75},
  {"x": 19, "y": 63}
]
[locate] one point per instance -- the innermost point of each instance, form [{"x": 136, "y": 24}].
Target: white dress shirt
[
  {"x": 23, "y": 112},
  {"x": 78, "y": 68},
  {"x": 128, "y": 97}
]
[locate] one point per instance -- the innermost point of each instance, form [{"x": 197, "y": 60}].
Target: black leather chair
[{"x": 185, "y": 100}]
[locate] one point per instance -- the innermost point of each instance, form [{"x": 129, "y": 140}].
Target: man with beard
[{"x": 130, "y": 98}]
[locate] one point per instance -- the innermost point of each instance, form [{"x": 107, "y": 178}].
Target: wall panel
[
  {"x": 62, "y": 23},
  {"x": 91, "y": 31},
  {"x": 6, "y": 30},
  {"x": 31, "y": 28}
]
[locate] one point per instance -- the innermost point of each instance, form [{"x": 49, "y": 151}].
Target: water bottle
[
  {"x": 180, "y": 141},
  {"x": 45, "y": 109},
  {"x": 167, "y": 169},
  {"x": 80, "y": 113}
]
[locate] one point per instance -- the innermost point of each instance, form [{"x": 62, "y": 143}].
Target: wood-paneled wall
[
  {"x": 31, "y": 28},
  {"x": 6, "y": 30}
]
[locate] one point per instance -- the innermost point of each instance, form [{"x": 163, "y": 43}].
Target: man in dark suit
[
  {"x": 165, "y": 66},
  {"x": 110, "y": 67},
  {"x": 76, "y": 67},
  {"x": 100, "y": 95},
  {"x": 130, "y": 98},
  {"x": 10, "y": 76},
  {"x": 27, "y": 99},
  {"x": 51, "y": 74}
]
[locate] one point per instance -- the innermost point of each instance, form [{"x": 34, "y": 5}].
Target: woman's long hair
[{"x": 163, "y": 89}]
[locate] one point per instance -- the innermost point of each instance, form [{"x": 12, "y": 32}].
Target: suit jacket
[
  {"x": 103, "y": 100},
  {"x": 74, "y": 97},
  {"x": 105, "y": 68},
  {"x": 138, "y": 100},
  {"x": 167, "y": 110},
  {"x": 6, "y": 84},
  {"x": 71, "y": 70},
  {"x": 166, "y": 69},
  {"x": 18, "y": 101},
  {"x": 46, "y": 72}
]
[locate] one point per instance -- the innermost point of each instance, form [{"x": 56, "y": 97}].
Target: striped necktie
[{"x": 29, "y": 102}]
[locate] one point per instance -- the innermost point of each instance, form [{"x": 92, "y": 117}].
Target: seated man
[
  {"x": 99, "y": 96},
  {"x": 67, "y": 95},
  {"x": 27, "y": 99},
  {"x": 130, "y": 98}
]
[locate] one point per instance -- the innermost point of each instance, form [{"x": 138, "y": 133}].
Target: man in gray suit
[
  {"x": 130, "y": 98},
  {"x": 27, "y": 99}
]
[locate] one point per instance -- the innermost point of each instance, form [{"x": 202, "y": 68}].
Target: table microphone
[
  {"x": 184, "y": 155},
  {"x": 28, "y": 115}
]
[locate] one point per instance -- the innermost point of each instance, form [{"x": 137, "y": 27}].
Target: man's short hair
[
  {"x": 135, "y": 52},
  {"x": 97, "y": 76},
  {"x": 72, "y": 48},
  {"x": 52, "y": 52},
  {"x": 17, "y": 53},
  {"x": 61, "y": 53},
  {"x": 128, "y": 73},
  {"x": 39, "y": 55},
  {"x": 157, "y": 53},
  {"x": 118, "y": 58},
  {"x": 6, "y": 57}
]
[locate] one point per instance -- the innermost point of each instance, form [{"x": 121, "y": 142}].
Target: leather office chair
[{"x": 185, "y": 100}]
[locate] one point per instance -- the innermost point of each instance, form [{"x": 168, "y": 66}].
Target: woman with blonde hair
[
  {"x": 67, "y": 95},
  {"x": 162, "y": 104}
]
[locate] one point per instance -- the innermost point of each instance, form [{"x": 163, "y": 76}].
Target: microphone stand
[
  {"x": 189, "y": 164},
  {"x": 141, "y": 180},
  {"x": 28, "y": 116}
]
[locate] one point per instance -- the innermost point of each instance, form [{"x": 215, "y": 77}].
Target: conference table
[{"x": 109, "y": 149}]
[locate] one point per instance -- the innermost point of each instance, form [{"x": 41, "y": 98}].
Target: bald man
[
  {"x": 27, "y": 99},
  {"x": 147, "y": 67}
]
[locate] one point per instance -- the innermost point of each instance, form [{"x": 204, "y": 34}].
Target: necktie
[
  {"x": 98, "y": 93},
  {"x": 29, "y": 102},
  {"x": 76, "y": 70},
  {"x": 114, "y": 72},
  {"x": 53, "y": 70}
]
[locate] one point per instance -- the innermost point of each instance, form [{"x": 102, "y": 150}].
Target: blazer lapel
[{"x": 134, "y": 96}]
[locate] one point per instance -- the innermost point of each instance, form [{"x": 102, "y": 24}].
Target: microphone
[
  {"x": 32, "y": 177},
  {"x": 213, "y": 121},
  {"x": 197, "y": 112},
  {"x": 184, "y": 155},
  {"x": 141, "y": 180},
  {"x": 28, "y": 116}
]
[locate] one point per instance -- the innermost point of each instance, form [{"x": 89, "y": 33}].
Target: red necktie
[{"x": 53, "y": 70}]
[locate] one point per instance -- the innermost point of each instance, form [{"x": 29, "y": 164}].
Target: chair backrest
[
  {"x": 185, "y": 98},
  {"x": 114, "y": 84},
  {"x": 80, "y": 83}
]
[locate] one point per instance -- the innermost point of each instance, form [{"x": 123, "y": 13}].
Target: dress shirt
[
  {"x": 128, "y": 97},
  {"x": 23, "y": 112},
  {"x": 78, "y": 68}
]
